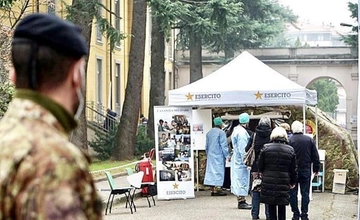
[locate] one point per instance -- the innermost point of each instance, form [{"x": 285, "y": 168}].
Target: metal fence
[{"x": 100, "y": 117}]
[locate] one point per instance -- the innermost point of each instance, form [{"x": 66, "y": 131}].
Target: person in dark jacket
[
  {"x": 306, "y": 154},
  {"x": 261, "y": 137},
  {"x": 277, "y": 166}
]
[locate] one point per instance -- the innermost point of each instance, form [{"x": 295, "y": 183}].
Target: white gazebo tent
[{"x": 245, "y": 81}]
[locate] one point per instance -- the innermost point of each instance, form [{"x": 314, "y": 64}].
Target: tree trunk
[
  {"x": 229, "y": 54},
  {"x": 126, "y": 133},
  {"x": 79, "y": 135},
  {"x": 195, "y": 57},
  {"x": 157, "y": 73}
]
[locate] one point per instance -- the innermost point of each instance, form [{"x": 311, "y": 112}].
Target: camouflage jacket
[{"x": 43, "y": 175}]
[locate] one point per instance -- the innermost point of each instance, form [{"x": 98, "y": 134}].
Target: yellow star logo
[
  {"x": 189, "y": 96},
  {"x": 258, "y": 95},
  {"x": 176, "y": 186}
]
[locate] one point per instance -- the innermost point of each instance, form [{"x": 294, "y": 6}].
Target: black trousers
[
  {"x": 279, "y": 214},
  {"x": 227, "y": 181}
]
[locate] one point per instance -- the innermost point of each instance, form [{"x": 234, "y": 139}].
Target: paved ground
[{"x": 324, "y": 206}]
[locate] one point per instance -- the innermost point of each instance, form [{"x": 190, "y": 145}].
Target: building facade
[{"x": 107, "y": 70}]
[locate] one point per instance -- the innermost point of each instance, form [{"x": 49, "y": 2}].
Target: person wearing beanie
[
  {"x": 239, "y": 174},
  {"x": 216, "y": 152},
  {"x": 307, "y": 156},
  {"x": 277, "y": 166}
]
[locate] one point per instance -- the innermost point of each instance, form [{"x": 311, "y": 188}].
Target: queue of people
[{"x": 284, "y": 161}]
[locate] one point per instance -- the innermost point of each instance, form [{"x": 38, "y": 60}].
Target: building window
[
  {"x": 170, "y": 49},
  {"x": 98, "y": 29},
  {"x": 51, "y": 7},
  {"x": 98, "y": 33},
  {"x": 117, "y": 83},
  {"x": 99, "y": 82},
  {"x": 117, "y": 19},
  {"x": 170, "y": 81},
  {"x": 117, "y": 15},
  {"x": 117, "y": 88}
]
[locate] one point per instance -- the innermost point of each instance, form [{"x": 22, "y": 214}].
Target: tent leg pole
[
  {"x": 304, "y": 118},
  {"x": 316, "y": 126},
  {"x": 197, "y": 170}
]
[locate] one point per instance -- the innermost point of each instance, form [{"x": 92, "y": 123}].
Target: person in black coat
[
  {"x": 261, "y": 137},
  {"x": 277, "y": 166},
  {"x": 306, "y": 155}
]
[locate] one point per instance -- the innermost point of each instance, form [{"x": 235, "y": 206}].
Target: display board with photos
[{"x": 174, "y": 158}]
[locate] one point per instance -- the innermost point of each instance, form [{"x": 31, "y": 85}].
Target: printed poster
[
  {"x": 174, "y": 157},
  {"x": 202, "y": 124}
]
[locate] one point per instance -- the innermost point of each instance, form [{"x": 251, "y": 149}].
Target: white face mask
[{"x": 79, "y": 92}]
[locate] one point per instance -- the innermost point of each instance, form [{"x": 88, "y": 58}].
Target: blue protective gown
[
  {"x": 216, "y": 152},
  {"x": 239, "y": 174}
]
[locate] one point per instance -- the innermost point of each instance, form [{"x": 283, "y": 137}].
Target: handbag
[
  {"x": 249, "y": 157},
  {"x": 256, "y": 183}
]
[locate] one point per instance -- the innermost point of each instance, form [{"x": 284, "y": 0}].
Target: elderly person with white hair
[
  {"x": 306, "y": 154},
  {"x": 277, "y": 165}
]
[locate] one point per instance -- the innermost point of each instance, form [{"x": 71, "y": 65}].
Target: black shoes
[
  {"x": 218, "y": 193},
  {"x": 243, "y": 205},
  {"x": 298, "y": 218}
]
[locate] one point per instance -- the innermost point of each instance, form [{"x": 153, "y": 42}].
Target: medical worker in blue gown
[
  {"x": 239, "y": 174},
  {"x": 216, "y": 153}
]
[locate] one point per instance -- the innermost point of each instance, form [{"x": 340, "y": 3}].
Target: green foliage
[
  {"x": 143, "y": 143},
  {"x": 6, "y": 3},
  {"x": 297, "y": 42},
  {"x": 231, "y": 25},
  {"x": 327, "y": 94},
  {"x": 352, "y": 38},
  {"x": 104, "y": 143},
  {"x": 210, "y": 20},
  {"x": 95, "y": 8},
  {"x": 166, "y": 12},
  {"x": 6, "y": 94}
]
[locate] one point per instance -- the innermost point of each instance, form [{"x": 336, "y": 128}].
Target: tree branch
[
  {"x": 22, "y": 11},
  {"x": 194, "y": 2},
  {"x": 106, "y": 9}
]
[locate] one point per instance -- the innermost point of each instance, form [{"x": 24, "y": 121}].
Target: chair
[
  {"x": 317, "y": 181},
  {"x": 118, "y": 191},
  {"x": 135, "y": 180},
  {"x": 129, "y": 171}
]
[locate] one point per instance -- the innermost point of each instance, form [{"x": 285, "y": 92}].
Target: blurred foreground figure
[{"x": 43, "y": 175}]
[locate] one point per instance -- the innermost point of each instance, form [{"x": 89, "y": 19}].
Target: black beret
[{"x": 52, "y": 31}]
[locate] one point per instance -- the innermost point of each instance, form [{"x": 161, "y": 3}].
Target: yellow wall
[{"x": 101, "y": 50}]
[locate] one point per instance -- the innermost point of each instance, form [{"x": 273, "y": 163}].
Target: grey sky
[{"x": 319, "y": 11}]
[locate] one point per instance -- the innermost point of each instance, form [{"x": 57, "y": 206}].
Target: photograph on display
[
  {"x": 174, "y": 148},
  {"x": 198, "y": 128}
]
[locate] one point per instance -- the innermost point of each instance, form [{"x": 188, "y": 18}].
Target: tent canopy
[{"x": 245, "y": 81}]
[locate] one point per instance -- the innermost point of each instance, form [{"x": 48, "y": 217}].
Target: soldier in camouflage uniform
[{"x": 43, "y": 175}]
